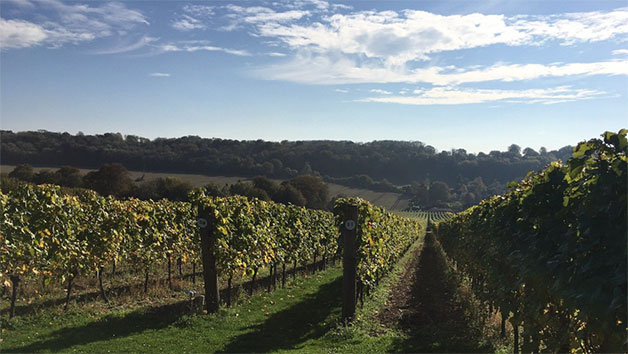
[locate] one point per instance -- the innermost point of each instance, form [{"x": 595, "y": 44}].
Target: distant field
[
  {"x": 195, "y": 180},
  {"x": 388, "y": 200}
]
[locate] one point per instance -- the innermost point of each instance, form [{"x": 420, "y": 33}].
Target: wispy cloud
[
  {"x": 458, "y": 96},
  {"x": 341, "y": 90},
  {"x": 195, "y": 46},
  {"x": 159, "y": 74},
  {"x": 341, "y": 70},
  {"x": 239, "y": 16},
  {"x": 199, "y": 10},
  {"x": 620, "y": 52},
  {"x": 22, "y": 3},
  {"x": 128, "y": 47},
  {"x": 315, "y": 5},
  {"x": 380, "y": 91},
  {"x": 59, "y": 24},
  {"x": 276, "y": 54},
  {"x": 193, "y": 18},
  {"x": 187, "y": 23}
]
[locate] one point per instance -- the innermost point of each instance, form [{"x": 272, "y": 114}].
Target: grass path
[
  {"x": 429, "y": 305},
  {"x": 266, "y": 322},
  {"x": 421, "y": 307}
]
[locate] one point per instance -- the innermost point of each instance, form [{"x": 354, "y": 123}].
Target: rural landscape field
[{"x": 313, "y": 176}]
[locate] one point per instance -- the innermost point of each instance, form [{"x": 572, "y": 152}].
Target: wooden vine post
[
  {"x": 210, "y": 274},
  {"x": 349, "y": 263}
]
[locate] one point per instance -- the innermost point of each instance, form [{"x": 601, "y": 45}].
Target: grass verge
[{"x": 266, "y": 322}]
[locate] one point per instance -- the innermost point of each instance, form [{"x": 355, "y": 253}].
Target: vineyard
[
  {"x": 551, "y": 254},
  {"x": 548, "y": 257},
  {"x": 433, "y": 216},
  {"x": 57, "y": 237}
]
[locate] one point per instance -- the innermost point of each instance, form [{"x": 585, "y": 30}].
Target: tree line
[
  {"x": 377, "y": 164},
  {"x": 113, "y": 179}
]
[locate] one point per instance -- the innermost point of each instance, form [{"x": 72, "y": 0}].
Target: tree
[
  {"x": 266, "y": 184},
  {"x": 439, "y": 192},
  {"x": 514, "y": 149},
  {"x": 529, "y": 152},
  {"x": 171, "y": 188},
  {"x": 45, "y": 176},
  {"x": 248, "y": 190},
  {"x": 68, "y": 176},
  {"x": 313, "y": 189},
  {"x": 420, "y": 194},
  {"x": 110, "y": 179},
  {"x": 215, "y": 190},
  {"x": 23, "y": 172},
  {"x": 287, "y": 194}
]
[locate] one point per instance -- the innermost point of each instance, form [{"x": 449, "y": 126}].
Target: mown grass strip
[{"x": 266, "y": 322}]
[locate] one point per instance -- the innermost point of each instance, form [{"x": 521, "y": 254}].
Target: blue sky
[{"x": 453, "y": 74}]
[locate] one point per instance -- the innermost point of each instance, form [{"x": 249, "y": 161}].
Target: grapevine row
[
  {"x": 551, "y": 253},
  {"x": 252, "y": 233},
  {"x": 382, "y": 237},
  {"x": 46, "y": 233},
  {"x": 434, "y": 216}
]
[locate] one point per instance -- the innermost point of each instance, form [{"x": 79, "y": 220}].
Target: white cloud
[
  {"x": 457, "y": 96},
  {"x": 255, "y": 15},
  {"x": 199, "y": 10},
  {"x": 519, "y": 72},
  {"x": 187, "y": 23},
  {"x": 341, "y": 7},
  {"x": 620, "y": 52},
  {"x": 338, "y": 69},
  {"x": 387, "y": 46},
  {"x": 341, "y": 90},
  {"x": 316, "y": 5},
  {"x": 22, "y": 3},
  {"x": 276, "y": 54},
  {"x": 193, "y": 17},
  {"x": 20, "y": 34},
  {"x": 159, "y": 75},
  {"x": 381, "y": 92},
  {"x": 575, "y": 27},
  {"x": 128, "y": 47},
  {"x": 59, "y": 24},
  {"x": 195, "y": 46},
  {"x": 397, "y": 38}
]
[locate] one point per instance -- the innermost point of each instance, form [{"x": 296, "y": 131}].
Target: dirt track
[{"x": 427, "y": 304}]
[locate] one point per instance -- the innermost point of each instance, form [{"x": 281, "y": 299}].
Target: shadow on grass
[
  {"x": 440, "y": 318},
  {"x": 137, "y": 288},
  {"x": 89, "y": 296},
  {"x": 107, "y": 328},
  {"x": 305, "y": 320}
]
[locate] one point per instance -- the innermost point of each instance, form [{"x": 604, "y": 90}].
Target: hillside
[
  {"x": 388, "y": 200},
  {"x": 387, "y": 162}
]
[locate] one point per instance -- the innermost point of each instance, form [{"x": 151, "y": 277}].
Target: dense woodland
[{"x": 445, "y": 179}]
